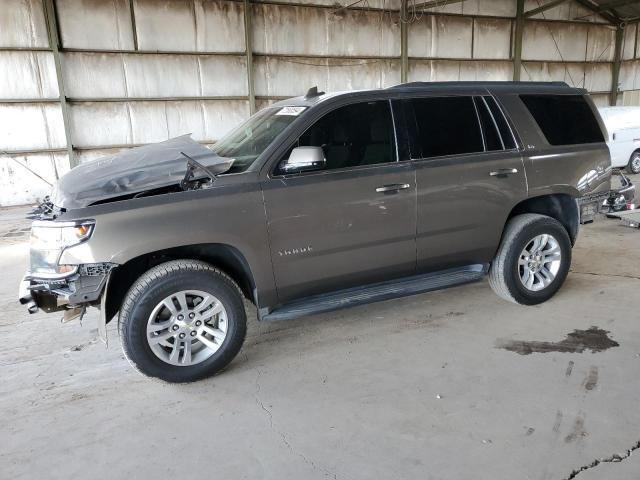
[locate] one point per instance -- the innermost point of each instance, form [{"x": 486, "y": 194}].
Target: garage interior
[{"x": 443, "y": 385}]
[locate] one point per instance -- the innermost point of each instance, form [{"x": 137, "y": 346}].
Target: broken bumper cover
[
  {"x": 84, "y": 287},
  {"x": 590, "y": 206}
]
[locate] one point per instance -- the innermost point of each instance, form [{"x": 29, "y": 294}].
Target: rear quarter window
[{"x": 564, "y": 119}]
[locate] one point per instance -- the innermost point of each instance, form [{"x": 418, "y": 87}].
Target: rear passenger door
[{"x": 469, "y": 175}]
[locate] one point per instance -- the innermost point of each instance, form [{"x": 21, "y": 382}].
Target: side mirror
[{"x": 304, "y": 159}]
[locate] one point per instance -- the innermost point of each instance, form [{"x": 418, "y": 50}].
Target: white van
[{"x": 623, "y": 126}]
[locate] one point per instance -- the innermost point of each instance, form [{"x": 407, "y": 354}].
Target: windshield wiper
[{"x": 192, "y": 167}]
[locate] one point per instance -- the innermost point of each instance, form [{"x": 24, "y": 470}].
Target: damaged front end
[
  {"x": 172, "y": 166},
  {"x": 71, "y": 294},
  {"x": 64, "y": 274},
  {"x": 54, "y": 286}
]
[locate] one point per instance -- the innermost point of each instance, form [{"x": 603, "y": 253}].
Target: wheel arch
[
  {"x": 561, "y": 206},
  {"x": 225, "y": 257}
]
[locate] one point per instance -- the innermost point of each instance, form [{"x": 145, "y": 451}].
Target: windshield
[{"x": 245, "y": 143}]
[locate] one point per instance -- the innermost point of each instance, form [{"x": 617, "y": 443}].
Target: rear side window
[
  {"x": 446, "y": 126},
  {"x": 501, "y": 123},
  {"x": 492, "y": 138},
  {"x": 564, "y": 119}
]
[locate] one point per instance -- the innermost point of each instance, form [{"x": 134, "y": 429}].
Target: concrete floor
[{"x": 411, "y": 388}]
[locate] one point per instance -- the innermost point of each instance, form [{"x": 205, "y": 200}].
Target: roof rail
[{"x": 476, "y": 83}]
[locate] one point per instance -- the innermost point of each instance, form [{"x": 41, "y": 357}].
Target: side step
[{"x": 377, "y": 292}]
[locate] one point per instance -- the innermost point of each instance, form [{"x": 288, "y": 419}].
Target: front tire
[
  {"x": 634, "y": 162},
  {"x": 533, "y": 259},
  {"x": 182, "y": 321}
]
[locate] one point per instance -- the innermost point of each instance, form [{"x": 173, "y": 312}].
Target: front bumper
[{"x": 84, "y": 287}]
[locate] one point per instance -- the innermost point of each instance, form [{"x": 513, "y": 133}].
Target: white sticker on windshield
[{"x": 293, "y": 111}]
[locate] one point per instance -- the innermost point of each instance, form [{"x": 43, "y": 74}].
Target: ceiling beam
[
  {"x": 616, "y": 4},
  {"x": 613, "y": 19},
  {"x": 544, "y": 8}
]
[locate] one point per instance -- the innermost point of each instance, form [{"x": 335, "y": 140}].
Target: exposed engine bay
[{"x": 171, "y": 166}]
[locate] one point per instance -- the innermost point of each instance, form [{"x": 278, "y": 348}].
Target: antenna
[{"x": 313, "y": 92}]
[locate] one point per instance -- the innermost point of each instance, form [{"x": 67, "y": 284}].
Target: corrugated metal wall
[
  {"x": 139, "y": 71},
  {"x": 630, "y": 68}
]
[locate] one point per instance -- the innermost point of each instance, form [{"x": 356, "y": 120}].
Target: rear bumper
[{"x": 590, "y": 205}]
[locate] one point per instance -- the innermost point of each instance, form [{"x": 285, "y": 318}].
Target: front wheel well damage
[
  {"x": 225, "y": 257},
  {"x": 561, "y": 206}
]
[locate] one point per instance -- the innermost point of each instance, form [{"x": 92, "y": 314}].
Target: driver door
[{"x": 352, "y": 222}]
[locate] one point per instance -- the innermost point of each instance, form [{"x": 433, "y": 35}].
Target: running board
[{"x": 377, "y": 292}]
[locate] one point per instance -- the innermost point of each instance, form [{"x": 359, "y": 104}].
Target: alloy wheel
[
  {"x": 187, "y": 327},
  {"x": 539, "y": 262}
]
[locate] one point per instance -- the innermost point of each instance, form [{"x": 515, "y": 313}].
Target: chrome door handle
[
  {"x": 394, "y": 187},
  {"x": 503, "y": 172}
]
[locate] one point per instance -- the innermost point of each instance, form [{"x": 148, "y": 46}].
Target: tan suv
[{"x": 318, "y": 203}]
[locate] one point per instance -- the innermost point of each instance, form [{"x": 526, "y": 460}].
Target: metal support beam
[
  {"x": 248, "y": 42},
  {"x": 617, "y": 4},
  {"x": 517, "y": 41},
  {"x": 544, "y": 8},
  {"x": 404, "y": 51},
  {"x": 617, "y": 61},
  {"x": 435, "y": 3},
  {"x": 134, "y": 29},
  {"x": 54, "y": 44},
  {"x": 607, "y": 16}
]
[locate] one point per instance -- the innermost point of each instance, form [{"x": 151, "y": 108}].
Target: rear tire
[
  {"x": 533, "y": 259},
  {"x": 634, "y": 162},
  {"x": 182, "y": 321}
]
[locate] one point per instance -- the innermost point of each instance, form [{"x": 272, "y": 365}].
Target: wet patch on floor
[
  {"x": 557, "y": 422},
  {"x": 594, "y": 339},
  {"x": 577, "y": 431},
  {"x": 567, "y": 373},
  {"x": 591, "y": 379}
]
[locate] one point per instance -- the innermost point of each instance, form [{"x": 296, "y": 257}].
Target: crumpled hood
[{"x": 133, "y": 171}]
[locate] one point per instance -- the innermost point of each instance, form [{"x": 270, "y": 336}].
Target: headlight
[{"x": 49, "y": 239}]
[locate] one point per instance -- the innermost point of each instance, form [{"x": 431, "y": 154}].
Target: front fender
[{"x": 230, "y": 215}]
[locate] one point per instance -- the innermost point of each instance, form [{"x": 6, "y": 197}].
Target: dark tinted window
[
  {"x": 501, "y": 122},
  {"x": 360, "y": 134},
  {"x": 564, "y": 119},
  {"x": 491, "y": 136},
  {"x": 446, "y": 126}
]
